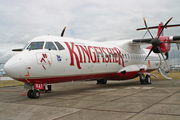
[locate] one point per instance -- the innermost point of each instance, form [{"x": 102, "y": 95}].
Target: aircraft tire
[
  {"x": 49, "y": 87},
  {"x": 98, "y": 82},
  {"x": 148, "y": 79},
  {"x": 29, "y": 94},
  {"x": 104, "y": 81},
  {"x": 101, "y": 81},
  {"x": 142, "y": 79},
  {"x": 35, "y": 94}
]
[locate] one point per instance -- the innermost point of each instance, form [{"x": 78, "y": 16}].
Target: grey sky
[{"x": 22, "y": 20}]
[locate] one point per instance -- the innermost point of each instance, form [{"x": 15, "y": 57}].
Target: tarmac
[{"x": 86, "y": 100}]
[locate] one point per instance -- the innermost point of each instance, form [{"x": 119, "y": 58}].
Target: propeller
[
  {"x": 156, "y": 41},
  {"x": 62, "y": 33}
]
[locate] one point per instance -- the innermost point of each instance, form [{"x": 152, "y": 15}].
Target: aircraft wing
[
  {"x": 141, "y": 41},
  {"x": 173, "y": 39}
]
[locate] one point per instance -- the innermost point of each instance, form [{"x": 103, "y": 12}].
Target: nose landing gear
[{"x": 34, "y": 92}]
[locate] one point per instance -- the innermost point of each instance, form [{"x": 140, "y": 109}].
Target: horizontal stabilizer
[{"x": 156, "y": 27}]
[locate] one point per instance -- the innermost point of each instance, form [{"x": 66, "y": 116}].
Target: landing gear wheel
[
  {"x": 49, "y": 88},
  {"x": 101, "y": 81},
  {"x": 36, "y": 94},
  {"x": 142, "y": 79},
  {"x": 29, "y": 94},
  {"x": 148, "y": 79}
]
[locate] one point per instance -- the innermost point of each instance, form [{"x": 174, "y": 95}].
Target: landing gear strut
[
  {"x": 101, "y": 81},
  {"x": 145, "y": 79},
  {"x": 35, "y": 93}
]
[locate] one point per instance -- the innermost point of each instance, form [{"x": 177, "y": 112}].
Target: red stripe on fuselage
[{"x": 109, "y": 76}]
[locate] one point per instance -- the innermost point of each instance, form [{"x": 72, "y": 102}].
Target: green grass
[
  {"x": 173, "y": 74},
  {"x": 10, "y": 83}
]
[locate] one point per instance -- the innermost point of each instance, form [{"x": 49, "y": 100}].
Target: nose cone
[{"x": 14, "y": 67}]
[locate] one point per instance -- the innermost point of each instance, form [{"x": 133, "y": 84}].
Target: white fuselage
[{"x": 79, "y": 60}]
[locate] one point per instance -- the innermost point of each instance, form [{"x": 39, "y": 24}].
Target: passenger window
[
  {"x": 50, "y": 46},
  {"x": 113, "y": 55},
  {"x": 109, "y": 55},
  {"x": 105, "y": 55},
  {"x": 60, "y": 47},
  {"x": 116, "y": 55},
  {"x": 128, "y": 56},
  {"x": 102, "y": 55},
  {"x": 97, "y": 54},
  {"x": 35, "y": 45}
]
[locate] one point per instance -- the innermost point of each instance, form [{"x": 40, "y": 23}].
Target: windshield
[
  {"x": 25, "y": 46},
  {"x": 35, "y": 45},
  {"x": 60, "y": 47},
  {"x": 50, "y": 46}
]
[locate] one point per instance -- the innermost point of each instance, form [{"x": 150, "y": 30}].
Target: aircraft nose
[{"x": 14, "y": 67}]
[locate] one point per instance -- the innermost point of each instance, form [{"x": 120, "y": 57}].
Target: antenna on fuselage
[{"x": 62, "y": 33}]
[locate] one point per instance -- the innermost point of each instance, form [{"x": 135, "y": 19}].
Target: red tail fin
[{"x": 159, "y": 29}]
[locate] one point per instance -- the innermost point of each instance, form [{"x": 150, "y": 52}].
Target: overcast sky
[{"x": 22, "y": 20}]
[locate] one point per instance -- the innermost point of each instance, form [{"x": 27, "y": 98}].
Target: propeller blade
[
  {"x": 62, "y": 34},
  {"x": 162, "y": 55},
  {"x": 165, "y": 26},
  {"x": 167, "y": 55},
  {"x": 147, "y": 28},
  {"x": 149, "y": 53}
]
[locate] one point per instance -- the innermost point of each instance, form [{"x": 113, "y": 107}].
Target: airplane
[{"x": 53, "y": 59}]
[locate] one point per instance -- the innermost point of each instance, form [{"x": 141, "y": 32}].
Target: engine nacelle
[{"x": 165, "y": 46}]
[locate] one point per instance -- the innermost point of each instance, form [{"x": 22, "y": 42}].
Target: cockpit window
[
  {"x": 35, "y": 45},
  {"x": 50, "y": 46},
  {"x": 25, "y": 46},
  {"x": 60, "y": 47}
]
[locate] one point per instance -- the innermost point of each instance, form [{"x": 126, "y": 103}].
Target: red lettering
[
  {"x": 102, "y": 55},
  {"x": 110, "y": 53},
  {"x": 84, "y": 50},
  {"x": 90, "y": 52},
  {"x": 94, "y": 61},
  {"x": 106, "y": 55},
  {"x": 79, "y": 53},
  {"x": 98, "y": 53},
  {"x": 72, "y": 52},
  {"x": 113, "y": 54},
  {"x": 119, "y": 56}
]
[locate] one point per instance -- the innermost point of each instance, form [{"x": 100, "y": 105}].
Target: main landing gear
[
  {"x": 101, "y": 81},
  {"x": 145, "y": 79},
  {"x": 35, "y": 93}
]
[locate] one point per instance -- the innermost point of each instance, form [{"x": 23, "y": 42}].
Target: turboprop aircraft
[{"x": 53, "y": 59}]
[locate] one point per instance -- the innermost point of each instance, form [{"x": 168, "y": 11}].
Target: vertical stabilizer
[{"x": 160, "y": 27}]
